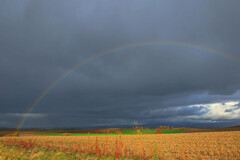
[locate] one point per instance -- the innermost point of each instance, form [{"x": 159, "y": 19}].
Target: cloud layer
[{"x": 147, "y": 84}]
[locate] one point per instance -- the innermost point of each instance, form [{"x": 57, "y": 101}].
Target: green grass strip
[{"x": 125, "y": 132}]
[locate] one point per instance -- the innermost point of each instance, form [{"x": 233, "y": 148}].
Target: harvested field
[{"x": 209, "y": 145}]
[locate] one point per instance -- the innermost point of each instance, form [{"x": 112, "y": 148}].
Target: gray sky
[{"x": 142, "y": 85}]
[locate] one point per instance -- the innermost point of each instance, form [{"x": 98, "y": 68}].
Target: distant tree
[
  {"x": 118, "y": 132},
  {"x": 158, "y": 131}
]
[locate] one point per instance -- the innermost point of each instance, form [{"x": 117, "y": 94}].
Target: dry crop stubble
[{"x": 207, "y": 145}]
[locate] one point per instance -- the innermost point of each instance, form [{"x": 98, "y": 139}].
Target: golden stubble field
[{"x": 205, "y": 146}]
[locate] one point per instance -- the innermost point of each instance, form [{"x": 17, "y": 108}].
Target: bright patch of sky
[{"x": 219, "y": 111}]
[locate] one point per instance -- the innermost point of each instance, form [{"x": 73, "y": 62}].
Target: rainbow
[{"x": 114, "y": 50}]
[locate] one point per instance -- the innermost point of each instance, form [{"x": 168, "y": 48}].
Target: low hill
[{"x": 191, "y": 130}]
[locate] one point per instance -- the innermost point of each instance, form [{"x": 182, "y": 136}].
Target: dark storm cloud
[
  {"x": 41, "y": 40},
  {"x": 228, "y": 110}
]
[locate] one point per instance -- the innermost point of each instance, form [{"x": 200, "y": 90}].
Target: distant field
[
  {"x": 151, "y": 131},
  {"x": 172, "y": 131},
  {"x": 73, "y": 134},
  {"x": 131, "y": 131},
  {"x": 134, "y": 131},
  {"x": 189, "y": 146}
]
